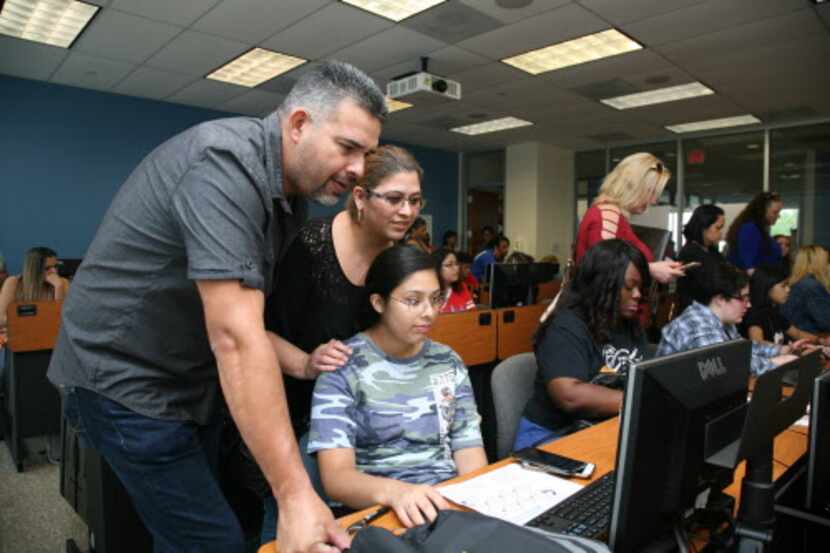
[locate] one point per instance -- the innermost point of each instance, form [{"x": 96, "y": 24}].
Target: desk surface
[{"x": 598, "y": 444}]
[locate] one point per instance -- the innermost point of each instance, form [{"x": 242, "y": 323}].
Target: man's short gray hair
[{"x": 323, "y": 88}]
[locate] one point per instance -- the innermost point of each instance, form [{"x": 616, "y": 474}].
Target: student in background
[
  {"x": 593, "y": 327},
  {"x": 400, "y": 416},
  {"x": 495, "y": 252},
  {"x": 465, "y": 263},
  {"x": 635, "y": 184},
  {"x": 450, "y": 241},
  {"x": 457, "y": 296},
  {"x": 769, "y": 288},
  {"x": 38, "y": 281},
  {"x": 808, "y": 306},
  {"x": 784, "y": 242},
  {"x": 487, "y": 234},
  {"x": 418, "y": 237},
  {"x": 703, "y": 233},
  {"x": 319, "y": 297},
  {"x": 749, "y": 240},
  {"x": 712, "y": 321}
]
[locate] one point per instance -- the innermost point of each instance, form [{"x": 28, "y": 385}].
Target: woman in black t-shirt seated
[
  {"x": 592, "y": 337},
  {"x": 703, "y": 233},
  {"x": 769, "y": 289}
]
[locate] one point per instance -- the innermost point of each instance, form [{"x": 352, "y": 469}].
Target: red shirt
[
  {"x": 591, "y": 227},
  {"x": 461, "y": 300}
]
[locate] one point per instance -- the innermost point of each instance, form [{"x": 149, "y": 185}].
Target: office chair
[{"x": 512, "y": 385}]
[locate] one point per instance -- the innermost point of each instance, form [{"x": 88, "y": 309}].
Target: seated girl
[
  {"x": 594, "y": 326},
  {"x": 726, "y": 297},
  {"x": 769, "y": 289},
  {"x": 808, "y": 306},
  {"x": 457, "y": 297},
  {"x": 400, "y": 416}
]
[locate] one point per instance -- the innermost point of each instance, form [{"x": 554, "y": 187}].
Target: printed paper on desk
[{"x": 511, "y": 493}]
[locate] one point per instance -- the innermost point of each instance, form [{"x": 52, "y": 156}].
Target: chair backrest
[{"x": 512, "y": 385}]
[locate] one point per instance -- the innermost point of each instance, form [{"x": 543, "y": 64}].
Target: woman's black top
[
  {"x": 771, "y": 321},
  {"x": 313, "y": 302},
  {"x": 691, "y": 287}
]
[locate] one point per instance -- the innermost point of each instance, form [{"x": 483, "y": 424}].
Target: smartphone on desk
[{"x": 537, "y": 459}]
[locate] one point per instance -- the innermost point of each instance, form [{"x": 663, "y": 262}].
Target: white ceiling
[{"x": 765, "y": 57}]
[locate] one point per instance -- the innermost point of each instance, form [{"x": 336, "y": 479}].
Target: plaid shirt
[{"x": 698, "y": 326}]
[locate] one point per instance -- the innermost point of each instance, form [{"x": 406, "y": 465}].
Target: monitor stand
[{"x": 756, "y": 514}]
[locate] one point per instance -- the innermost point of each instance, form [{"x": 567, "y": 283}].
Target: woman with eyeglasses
[
  {"x": 725, "y": 300},
  {"x": 749, "y": 243},
  {"x": 400, "y": 416},
  {"x": 38, "y": 281},
  {"x": 320, "y": 287},
  {"x": 457, "y": 297},
  {"x": 635, "y": 184}
]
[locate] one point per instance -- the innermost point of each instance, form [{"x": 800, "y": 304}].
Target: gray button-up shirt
[{"x": 207, "y": 204}]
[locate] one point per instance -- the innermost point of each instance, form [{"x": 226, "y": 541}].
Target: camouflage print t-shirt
[{"x": 403, "y": 417}]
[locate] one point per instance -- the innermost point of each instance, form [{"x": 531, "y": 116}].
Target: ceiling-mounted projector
[{"x": 423, "y": 87}]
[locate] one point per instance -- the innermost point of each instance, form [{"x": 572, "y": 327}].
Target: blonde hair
[
  {"x": 634, "y": 181},
  {"x": 32, "y": 286},
  {"x": 381, "y": 163},
  {"x": 811, "y": 261}
]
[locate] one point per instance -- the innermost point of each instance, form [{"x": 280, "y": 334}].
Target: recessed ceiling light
[
  {"x": 658, "y": 96},
  {"x": 396, "y": 105},
  {"x": 54, "y": 22},
  {"x": 573, "y": 52},
  {"x": 255, "y": 67},
  {"x": 396, "y": 10},
  {"x": 709, "y": 124},
  {"x": 493, "y": 125}
]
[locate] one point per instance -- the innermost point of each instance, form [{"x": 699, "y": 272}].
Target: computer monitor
[
  {"x": 657, "y": 239},
  {"x": 513, "y": 284},
  {"x": 660, "y": 469},
  {"x": 818, "y": 463}
]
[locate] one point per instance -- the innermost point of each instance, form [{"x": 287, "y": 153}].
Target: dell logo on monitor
[{"x": 711, "y": 367}]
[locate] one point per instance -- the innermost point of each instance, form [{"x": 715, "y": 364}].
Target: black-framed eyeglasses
[{"x": 396, "y": 199}]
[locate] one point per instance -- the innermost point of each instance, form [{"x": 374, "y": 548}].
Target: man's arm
[{"x": 252, "y": 384}]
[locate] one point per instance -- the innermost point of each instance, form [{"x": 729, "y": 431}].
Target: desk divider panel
[
  {"x": 516, "y": 327},
  {"x": 33, "y": 325},
  {"x": 472, "y": 334}
]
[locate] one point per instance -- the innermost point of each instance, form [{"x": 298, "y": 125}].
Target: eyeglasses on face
[
  {"x": 396, "y": 199},
  {"x": 414, "y": 302}
]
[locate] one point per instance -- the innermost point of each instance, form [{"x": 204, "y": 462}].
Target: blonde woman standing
[
  {"x": 635, "y": 184},
  {"x": 808, "y": 305}
]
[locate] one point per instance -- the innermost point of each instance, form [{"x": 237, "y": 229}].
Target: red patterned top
[{"x": 603, "y": 222}]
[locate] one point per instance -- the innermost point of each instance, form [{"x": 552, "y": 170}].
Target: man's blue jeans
[{"x": 169, "y": 468}]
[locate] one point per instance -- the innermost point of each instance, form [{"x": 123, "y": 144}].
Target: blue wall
[{"x": 64, "y": 152}]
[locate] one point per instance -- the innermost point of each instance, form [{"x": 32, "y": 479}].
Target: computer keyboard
[{"x": 586, "y": 513}]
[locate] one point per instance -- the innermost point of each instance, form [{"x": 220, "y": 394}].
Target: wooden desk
[
  {"x": 516, "y": 327},
  {"x": 32, "y": 403},
  {"x": 598, "y": 444},
  {"x": 472, "y": 334}
]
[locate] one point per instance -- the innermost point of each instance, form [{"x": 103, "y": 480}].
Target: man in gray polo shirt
[{"x": 168, "y": 305}]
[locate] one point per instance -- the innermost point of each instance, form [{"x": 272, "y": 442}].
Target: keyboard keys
[{"x": 587, "y": 513}]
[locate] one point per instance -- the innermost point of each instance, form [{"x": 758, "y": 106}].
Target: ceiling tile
[
  {"x": 554, "y": 26},
  {"x": 340, "y": 24},
  {"x": 707, "y": 17},
  {"x": 257, "y": 103},
  {"x": 638, "y": 66},
  {"x": 196, "y": 53},
  {"x": 484, "y": 76},
  {"x": 207, "y": 94},
  {"x": 125, "y": 37},
  {"x": 452, "y": 22},
  {"x": 29, "y": 60},
  {"x": 88, "y": 71},
  {"x": 511, "y": 15},
  {"x": 177, "y": 13},
  {"x": 147, "y": 82},
  {"x": 391, "y": 46},
  {"x": 618, "y": 12},
  {"x": 252, "y": 21}
]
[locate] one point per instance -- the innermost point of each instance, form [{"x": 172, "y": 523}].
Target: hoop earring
[{"x": 359, "y": 215}]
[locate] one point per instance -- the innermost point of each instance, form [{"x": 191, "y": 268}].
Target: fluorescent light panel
[
  {"x": 659, "y": 96},
  {"x": 494, "y": 125},
  {"x": 573, "y": 52},
  {"x": 54, "y": 22},
  {"x": 709, "y": 124},
  {"x": 396, "y": 105},
  {"x": 396, "y": 10},
  {"x": 255, "y": 67}
]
